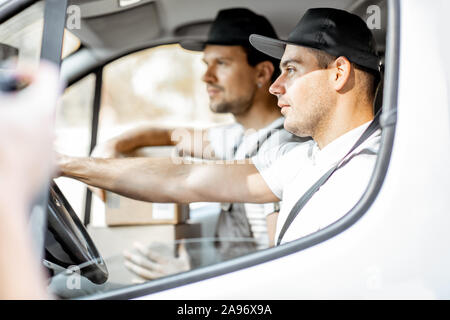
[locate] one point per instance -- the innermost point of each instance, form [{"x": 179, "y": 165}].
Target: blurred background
[{"x": 161, "y": 85}]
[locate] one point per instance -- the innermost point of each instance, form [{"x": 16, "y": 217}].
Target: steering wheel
[{"x": 67, "y": 243}]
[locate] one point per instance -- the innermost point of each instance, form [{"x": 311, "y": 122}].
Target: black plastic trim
[
  {"x": 381, "y": 166},
  {"x": 54, "y": 22},
  {"x": 8, "y": 10},
  {"x": 94, "y": 131}
]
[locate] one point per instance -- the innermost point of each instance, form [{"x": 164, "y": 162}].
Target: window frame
[
  {"x": 14, "y": 7},
  {"x": 388, "y": 121}
]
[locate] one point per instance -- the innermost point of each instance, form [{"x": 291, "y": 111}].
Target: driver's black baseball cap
[
  {"x": 337, "y": 32},
  {"x": 233, "y": 27}
]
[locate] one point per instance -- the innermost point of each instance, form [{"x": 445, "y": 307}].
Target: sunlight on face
[
  {"x": 230, "y": 80},
  {"x": 302, "y": 90}
]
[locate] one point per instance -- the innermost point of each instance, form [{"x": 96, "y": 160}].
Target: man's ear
[
  {"x": 341, "y": 72},
  {"x": 264, "y": 72}
]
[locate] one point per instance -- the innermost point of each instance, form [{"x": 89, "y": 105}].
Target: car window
[
  {"x": 71, "y": 43},
  {"x": 158, "y": 86},
  {"x": 24, "y": 32},
  {"x": 72, "y": 130}
]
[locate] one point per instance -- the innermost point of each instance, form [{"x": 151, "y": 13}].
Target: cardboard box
[
  {"x": 111, "y": 242},
  {"x": 120, "y": 211}
]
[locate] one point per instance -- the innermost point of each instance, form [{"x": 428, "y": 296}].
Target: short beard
[
  {"x": 310, "y": 123},
  {"x": 235, "y": 107}
]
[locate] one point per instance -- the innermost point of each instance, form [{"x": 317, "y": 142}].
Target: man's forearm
[
  {"x": 143, "y": 137},
  {"x": 190, "y": 142},
  {"x": 146, "y": 179},
  {"x": 165, "y": 180},
  {"x": 271, "y": 221}
]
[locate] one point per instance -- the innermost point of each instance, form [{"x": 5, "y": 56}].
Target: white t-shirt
[
  {"x": 225, "y": 139},
  {"x": 290, "y": 172}
]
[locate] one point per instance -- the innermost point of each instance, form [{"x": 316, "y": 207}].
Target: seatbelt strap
[
  {"x": 374, "y": 125},
  {"x": 249, "y": 154}
]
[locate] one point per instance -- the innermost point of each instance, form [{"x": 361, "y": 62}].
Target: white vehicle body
[
  {"x": 400, "y": 246},
  {"x": 395, "y": 242}
]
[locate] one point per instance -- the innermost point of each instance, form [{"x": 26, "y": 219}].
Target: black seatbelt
[
  {"x": 233, "y": 219},
  {"x": 251, "y": 153},
  {"x": 374, "y": 125}
]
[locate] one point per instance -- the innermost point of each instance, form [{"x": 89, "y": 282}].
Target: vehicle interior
[{"x": 123, "y": 66}]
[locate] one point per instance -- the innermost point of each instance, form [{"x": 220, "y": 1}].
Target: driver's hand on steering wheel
[{"x": 149, "y": 264}]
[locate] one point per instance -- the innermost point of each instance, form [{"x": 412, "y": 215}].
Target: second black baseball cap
[
  {"x": 233, "y": 27},
  {"x": 334, "y": 31}
]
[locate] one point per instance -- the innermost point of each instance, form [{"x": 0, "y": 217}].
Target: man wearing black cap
[
  {"x": 238, "y": 78},
  {"x": 326, "y": 91}
]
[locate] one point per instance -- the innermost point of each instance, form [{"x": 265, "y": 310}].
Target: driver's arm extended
[
  {"x": 189, "y": 142},
  {"x": 164, "y": 180}
]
